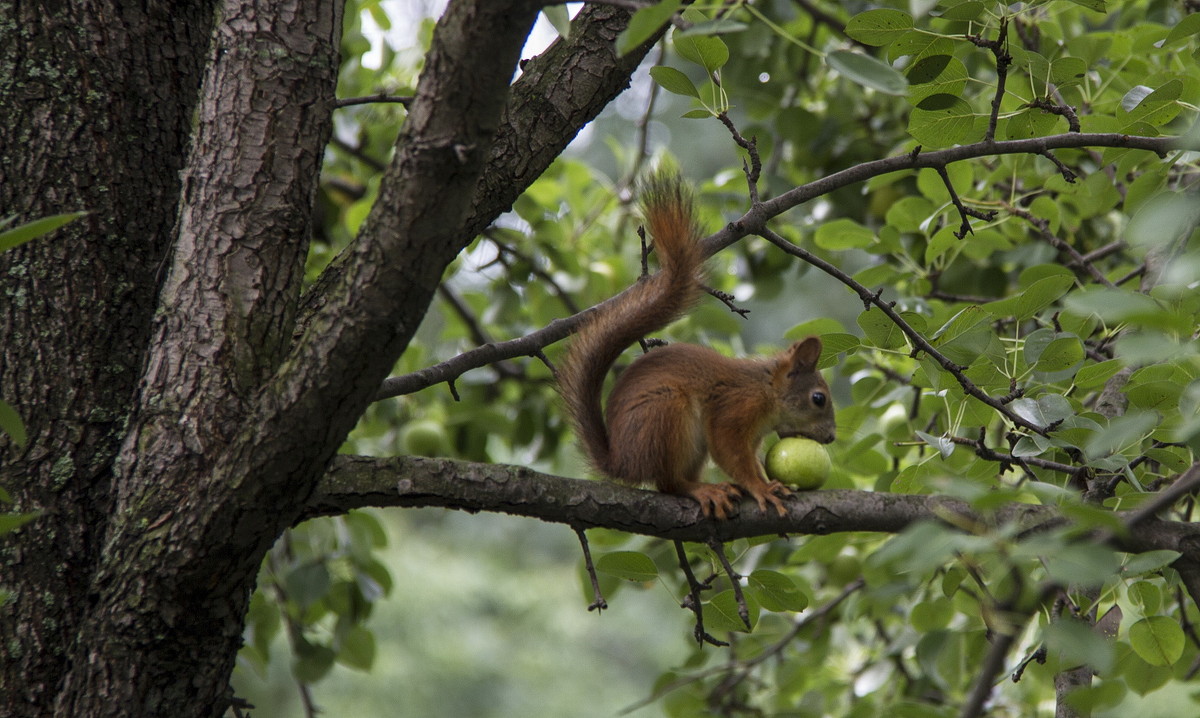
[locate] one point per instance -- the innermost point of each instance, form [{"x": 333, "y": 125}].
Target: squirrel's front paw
[
  {"x": 770, "y": 492},
  {"x": 715, "y": 499}
]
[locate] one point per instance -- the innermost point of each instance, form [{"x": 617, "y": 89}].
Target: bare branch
[
  {"x": 357, "y": 481},
  {"x": 598, "y": 604},
  {"x": 405, "y": 100}
]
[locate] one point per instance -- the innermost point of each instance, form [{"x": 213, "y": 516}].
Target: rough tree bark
[
  {"x": 179, "y": 416},
  {"x": 183, "y": 400},
  {"x": 97, "y": 101}
]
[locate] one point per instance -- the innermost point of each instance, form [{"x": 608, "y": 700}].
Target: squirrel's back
[{"x": 648, "y": 306}]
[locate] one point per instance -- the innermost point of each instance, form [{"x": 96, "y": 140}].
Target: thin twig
[
  {"x": 1003, "y": 61},
  {"x": 964, "y": 212},
  {"x": 693, "y": 602},
  {"x": 920, "y": 343},
  {"x": 382, "y": 97},
  {"x": 1042, "y": 227},
  {"x": 753, "y": 171},
  {"x": 598, "y": 602},
  {"x": 735, "y": 579},
  {"x": 1062, "y": 110}
]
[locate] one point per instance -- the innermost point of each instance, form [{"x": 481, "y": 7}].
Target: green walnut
[{"x": 801, "y": 463}]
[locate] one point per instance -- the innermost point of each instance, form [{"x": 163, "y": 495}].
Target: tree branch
[
  {"x": 757, "y": 217},
  {"x": 558, "y": 93},
  {"x": 359, "y": 481}
]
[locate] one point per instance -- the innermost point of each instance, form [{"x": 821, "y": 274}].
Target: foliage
[{"x": 1028, "y": 335}]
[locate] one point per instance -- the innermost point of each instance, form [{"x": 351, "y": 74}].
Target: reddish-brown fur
[{"x": 678, "y": 404}]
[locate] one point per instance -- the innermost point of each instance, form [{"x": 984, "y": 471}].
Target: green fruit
[
  {"x": 424, "y": 437},
  {"x": 802, "y": 463}
]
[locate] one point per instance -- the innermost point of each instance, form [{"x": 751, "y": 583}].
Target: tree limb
[
  {"x": 558, "y": 93},
  {"x": 755, "y": 219},
  {"x": 360, "y": 481}
]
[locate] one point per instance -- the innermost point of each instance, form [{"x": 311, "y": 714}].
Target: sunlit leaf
[{"x": 1159, "y": 640}]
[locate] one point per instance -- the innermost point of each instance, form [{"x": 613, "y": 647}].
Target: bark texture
[
  {"x": 177, "y": 421},
  {"x": 97, "y": 101}
]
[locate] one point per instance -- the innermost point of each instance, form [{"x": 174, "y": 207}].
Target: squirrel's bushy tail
[{"x": 648, "y": 306}]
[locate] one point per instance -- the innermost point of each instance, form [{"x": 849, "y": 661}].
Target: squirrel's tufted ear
[{"x": 805, "y": 354}]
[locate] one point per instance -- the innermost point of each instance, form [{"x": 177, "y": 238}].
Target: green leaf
[
  {"x": 629, "y": 565},
  {"x": 959, "y": 324},
  {"x": 932, "y": 615},
  {"x": 1094, "y": 375},
  {"x": 1097, "y": 5},
  {"x": 559, "y": 18},
  {"x": 1073, "y": 562},
  {"x": 1148, "y": 561},
  {"x": 1072, "y": 643},
  {"x": 941, "y": 120},
  {"x": 1158, "y": 640},
  {"x": 1140, "y": 676},
  {"x": 38, "y": 227},
  {"x": 721, "y": 613},
  {"x": 12, "y": 522},
  {"x": 868, "y": 71},
  {"x": 1163, "y": 218},
  {"x": 1067, "y": 71},
  {"x": 821, "y": 327},
  {"x": 964, "y": 11},
  {"x": 1033, "y": 299},
  {"x": 909, "y": 214},
  {"x": 1123, "y": 433},
  {"x": 1155, "y": 107},
  {"x": 1185, "y": 28},
  {"x": 777, "y": 592},
  {"x": 312, "y": 661},
  {"x": 1146, "y": 595},
  {"x": 644, "y": 23},
  {"x": 878, "y": 27},
  {"x": 1044, "y": 410},
  {"x": 942, "y": 241},
  {"x": 1113, "y": 305},
  {"x": 1061, "y": 354},
  {"x": 721, "y": 26},
  {"x": 307, "y": 584},
  {"x": 944, "y": 445},
  {"x": 11, "y": 424},
  {"x": 674, "y": 81},
  {"x": 883, "y": 332},
  {"x": 843, "y": 233},
  {"x": 936, "y": 74},
  {"x": 357, "y": 649},
  {"x": 1031, "y": 122},
  {"x": 708, "y": 51}
]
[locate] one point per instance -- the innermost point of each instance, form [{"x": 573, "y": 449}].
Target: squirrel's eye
[{"x": 818, "y": 398}]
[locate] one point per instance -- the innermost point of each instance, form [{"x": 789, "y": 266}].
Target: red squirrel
[{"x": 679, "y": 403}]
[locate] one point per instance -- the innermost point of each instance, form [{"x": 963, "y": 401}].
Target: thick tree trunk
[
  {"x": 97, "y": 99},
  {"x": 181, "y": 553},
  {"x": 177, "y": 422}
]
